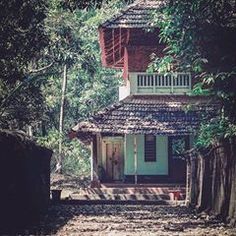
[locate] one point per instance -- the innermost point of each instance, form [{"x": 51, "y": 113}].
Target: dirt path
[{"x": 126, "y": 220}]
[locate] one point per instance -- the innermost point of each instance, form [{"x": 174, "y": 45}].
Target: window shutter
[{"x": 150, "y": 148}]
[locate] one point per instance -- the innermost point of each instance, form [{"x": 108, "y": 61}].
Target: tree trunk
[
  {"x": 204, "y": 194},
  {"x": 188, "y": 181},
  {"x": 30, "y": 130},
  {"x": 232, "y": 201},
  {"x": 61, "y": 121},
  {"x": 212, "y": 180},
  {"x": 193, "y": 181},
  {"x": 220, "y": 190}
]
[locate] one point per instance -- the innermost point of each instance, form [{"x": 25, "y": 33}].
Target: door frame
[{"x": 111, "y": 140}]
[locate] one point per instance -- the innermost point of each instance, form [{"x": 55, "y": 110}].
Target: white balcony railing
[
  {"x": 146, "y": 83},
  {"x": 163, "y": 83}
]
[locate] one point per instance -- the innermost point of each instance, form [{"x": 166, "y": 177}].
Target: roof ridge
[
  {"x": 108, "y": 108},
  {"x": 118, "y": 14},
  {"x": 112, "y": 107},
  {"x": 125, "y": 10}
]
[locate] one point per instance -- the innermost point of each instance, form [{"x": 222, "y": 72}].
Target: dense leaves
[
  {"x": 200, "y": 38},
  {"x": 21, "y": 104},
  {"x": 21, "y": 35},
  {"x": 22, "y": 38},
  {"x": 37, "y": 39},
  {"x": 74, "y": 42},
  {"x": 78, "y": 4}
]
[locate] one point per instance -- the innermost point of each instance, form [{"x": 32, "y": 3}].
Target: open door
[
  {"x": 177, "y": 166},
  {"x": 114, "y": 159}
]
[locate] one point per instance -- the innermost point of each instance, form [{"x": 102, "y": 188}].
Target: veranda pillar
[{"x": 94, "y": 160}]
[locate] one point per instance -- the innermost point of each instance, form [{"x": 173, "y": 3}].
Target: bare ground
[
  {"x": 69, "y": 182},
  {"x": 126, "y": 220},
  {"x": 122, "y": 220}
]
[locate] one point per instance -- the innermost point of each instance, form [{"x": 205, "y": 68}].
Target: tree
[
  {"x": 200, "y": 37},
  {"x": 74, "y": 43},
  {"x": 38, "y": 40},
  {"x": 22, "y": 38}
]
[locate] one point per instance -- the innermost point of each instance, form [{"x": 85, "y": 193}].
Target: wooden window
[{"x": 150, "y": 148}]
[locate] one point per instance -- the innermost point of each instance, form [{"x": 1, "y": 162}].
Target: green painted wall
[{"x": 160, "y": 167}]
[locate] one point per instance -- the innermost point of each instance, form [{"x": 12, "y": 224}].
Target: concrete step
[
  {"x": 118, "y": 202},
  {"x": 124, "y": 197},
  {"x": 145, "y": 191},
  {"x": 127, "y": 194},
  {"x": 144, "y": 185}
]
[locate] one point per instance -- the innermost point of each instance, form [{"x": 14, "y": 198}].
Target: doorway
[
  {"x": 177, "y": 165},
  {"x": 114, "y": 159}
]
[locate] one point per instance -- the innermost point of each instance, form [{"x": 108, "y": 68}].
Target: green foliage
[
  {"x": 21, "y": 104},
  {"x": 198, "y": 89},
  {"x": 75, "y": 155},
  {"x": 36, "y": 41},
  {"x": 74, "y": 41},
  {"x": 22, "y": 38},
  {"x": 72, "y": 5},
  {"x": 194, "y": 30},
  {"x": 178, "y": 146},
  {"x": 77, "y": 161},
  {"x": 213, "y": 131},
  {"x": 161, "y": 65},
  {"x": 89, "y": 85},
  {"x": 200, "y": 37}
]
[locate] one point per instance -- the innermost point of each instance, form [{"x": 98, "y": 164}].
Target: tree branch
[{"x": 41, "y": 69}]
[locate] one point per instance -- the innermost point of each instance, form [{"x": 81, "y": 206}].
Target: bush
[{"x": 75, "y": 156}]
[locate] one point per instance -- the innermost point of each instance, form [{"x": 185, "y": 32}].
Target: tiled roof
[
  {"x": 136, "y": 15},
  {"x": 160, "y": 115}
]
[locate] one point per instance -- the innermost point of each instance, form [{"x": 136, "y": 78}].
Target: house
[{"x": 141, "y": 138}]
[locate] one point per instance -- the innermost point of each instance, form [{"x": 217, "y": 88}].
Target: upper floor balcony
[{"x": 154, "y": 83}]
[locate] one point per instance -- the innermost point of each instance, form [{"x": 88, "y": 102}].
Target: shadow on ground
[
  {"x": 69, "y": 182},
  {"x": 123, "y": 220}
]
